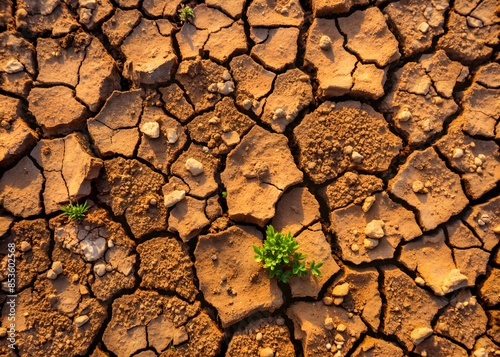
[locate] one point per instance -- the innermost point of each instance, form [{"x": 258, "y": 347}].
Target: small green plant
[
  {"x": 224, "y": 194},
  {"x": 75, "y": 212},
  {"x": 186, "y": 13},
  {"x": 279, "y": 255}
]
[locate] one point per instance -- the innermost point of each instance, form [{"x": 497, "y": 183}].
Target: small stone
[
  {"x": 403, "y": 115},
  {"x": 173, "y": 197},
  {"x": 212, "y": 88},
  {"x": 355, "y": 247},
  {"x": 481, "y": 352},
  {"x": 3, "y": 332},
  {"x": 258, "y": 337},
  {"x": 370, "y": 243},
  {"x": 25, "y": 246},
  {"x": 280, "y": 321},
  {"x": 420, "y": 333},
  {"x": 479, "y": 170},
  {"x": 348, "y": 149},
  {"x": 423, "y": 27},
  {"x": 225, "y": 88},
  {"x": 419, "y": 281},
  {"x": 111, "y": 244},
  {"x": 482, "y": 157},
  {"x": 81, "y": 320},
  {"x": 480, "y": 222},
  {"x": 418, "y": 186},
  {"x": 172, "y": 136},
  {"x": 339, "y": 339},
  {"x": 477, "y": 161},
  {"x": 151, "y": 129},
  {"x": 328, "y": 346},
  {"x": 325, "y": 43},
  {"x": 368, "y": 203},
  {"x": 214, "y": 257},
  {"x": 13, "y": 66},
  {"x": 266, "y": 352},
  {"x": 57, "y": 267},
  {"x": 247, "y": 104},
  {"x": 231, "y": 138},
  {"x": 51, "y": 274},
  {"x": 100, "y": 269},
  {"x": 226, "y": 75},
  {"x": 329, "y": 325},
  {"x": 327, "y": 301},
  {"x": 341, "y": 290},
  {"x": 341, "y": 328},
  {"x": 338, "y": 300},
  {"x": 473, "y": 22},
  {"x": 279, "y": 114},
  {"x": 426, "y": 125},
  {"x": 153, "y": 202},
  {"x": 194, "y": 166},
  {"x": 214, "y": 120},
  {"x": 496, "y": 229},
  {"x": 458, "y": 153},
  {"x": 453, "y": 281},
  {"x": 375, "y": 229},
  {"x": 357, "y": 158}
]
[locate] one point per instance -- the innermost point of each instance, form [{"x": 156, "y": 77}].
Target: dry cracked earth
[{"x": 368, "y": 129}]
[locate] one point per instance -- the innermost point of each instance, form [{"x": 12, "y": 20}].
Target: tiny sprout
[
  {"x": 75, "y": 212},
  {"x": 186, "y": 14},
  {"x": 224, "y": 194},
  {"x": 280, "y": 257}
]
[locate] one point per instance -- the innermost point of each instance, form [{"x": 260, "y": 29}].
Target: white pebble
[
  {"x": 423, "y": 27},
  {"x": 81, "y": 320},
  {"x": 226, "y": 75},
  {"x": 151, "y": 129},
  {"x": 173, "y": 197},
  {"x": 25, "y": 246},
  {"x": 194, "y": 166},
  {"x": 51, "y": 274},
  {"x": 325, "y": 43},
  {"x": 57, "y": 267},
  {"x": 172, "y": 136},
  {"x": 247, "y": 104},
  {"x": 100, "y": 269},
  {"x": 473, "y": 22},
  {"x": 357, "y": 157},
  {"x": 403, "y": 115},
  {"x": 375, "y": 229},
  {"x": 420, "y": 333},
  {"x": 368, "y": 203},
  {"x": 354, "y": 247},
  {"x": 231, "y": 138},
  {"x": 370, "y": 243},
  {"x": 258, "y": 337},
  {"x": 13, "y": 66}
]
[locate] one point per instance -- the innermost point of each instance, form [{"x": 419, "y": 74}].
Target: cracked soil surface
[{"x": 369, "y": 129}]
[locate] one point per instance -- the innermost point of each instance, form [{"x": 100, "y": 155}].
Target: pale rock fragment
[
  {"x": 13, "y": 66},
  {"x": 172, "y": 198},
  {"x": 375, "y": 229},
  {"x": 93, "y": 249},
  {"x": 194, "y": 166},
  {"x": 151, "y": 129},
  {"x": 341, "y": 290},
  {"x": 81, "y": 320},
  {"x": 420, "y": 333}
]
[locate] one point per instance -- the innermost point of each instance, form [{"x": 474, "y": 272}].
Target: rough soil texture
[{"x": 368, "y": 129}]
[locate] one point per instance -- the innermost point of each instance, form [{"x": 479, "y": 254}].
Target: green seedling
[
  {"x": 280, "y": 257},
  {"x": 224, "y": 194},
  {"x": 75, "y": 212},
  {"x": 186, "y": 14}
]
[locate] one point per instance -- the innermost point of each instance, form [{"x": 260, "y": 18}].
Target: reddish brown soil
[{"x": 368, "y": 129}]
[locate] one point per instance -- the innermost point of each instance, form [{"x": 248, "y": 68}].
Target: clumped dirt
[{"x": 368, "y": 129}]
